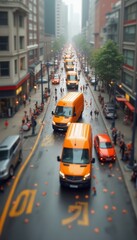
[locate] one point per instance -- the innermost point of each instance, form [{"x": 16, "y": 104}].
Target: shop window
[
  {"x": 4, "y": 69},
  {"x": 4, "y": 43}
]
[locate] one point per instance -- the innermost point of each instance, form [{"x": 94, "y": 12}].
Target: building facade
[
  {"x": 129, "y": 50},
  {"x": 13, "y": 56},
  {"x": 21, "y": 51},
  {"x": 101, "y": 8}
]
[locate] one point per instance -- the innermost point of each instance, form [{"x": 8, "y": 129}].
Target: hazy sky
[{"x": 75, "y": 3}]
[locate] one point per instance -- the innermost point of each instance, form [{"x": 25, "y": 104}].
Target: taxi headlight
[
  {"x": 68, "y": 123},
  {"x": 87, "y": 176},
  {"x": 62, "y": 175},
  {"x": 53, "y": 122}
]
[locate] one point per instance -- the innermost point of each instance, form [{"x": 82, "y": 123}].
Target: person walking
[
  {"x": 122, "y": 149},
  {"x": 91, "y": 113},
  {"x": 6, "y": 124}
]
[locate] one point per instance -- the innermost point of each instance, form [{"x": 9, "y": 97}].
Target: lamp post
[
  {"x": 42, "y": 101},
  {"x": 47, "y": 65},
  {"x": 114, "y": 101}
]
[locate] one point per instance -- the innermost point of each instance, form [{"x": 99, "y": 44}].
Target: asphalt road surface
[{"x": 40, "y": 209}]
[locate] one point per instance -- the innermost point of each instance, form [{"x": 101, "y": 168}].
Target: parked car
[
  {"x": 92, "y": 81},
  {"x": 55, "y": 79},
  {"x": 86, "y": 70},
  {"x": 109, "y": 112},
  {"x": 104, "y": 148}
]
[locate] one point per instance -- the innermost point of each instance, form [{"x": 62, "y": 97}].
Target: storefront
[{"x": 11, "y": 97}]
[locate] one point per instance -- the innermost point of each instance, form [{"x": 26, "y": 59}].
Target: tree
[{"x": 107, "y": 62}]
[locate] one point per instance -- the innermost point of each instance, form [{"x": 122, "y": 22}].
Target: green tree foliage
[
  {"x": 58, "y": 44},
  {"x": 107, "y": 62}
]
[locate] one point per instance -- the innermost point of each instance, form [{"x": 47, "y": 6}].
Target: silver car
[{"x": 10, "y": 155}]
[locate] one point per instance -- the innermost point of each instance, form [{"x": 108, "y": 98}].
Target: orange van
[
  {"x": 69, "y": 64},
  {"x": 68, "y": 109},
  {"x": 76, "y": 158},
  {"x": 72, "y": 80}
]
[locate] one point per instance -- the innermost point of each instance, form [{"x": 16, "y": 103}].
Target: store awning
[
  {"x": 130, "y": 106},
  {"x": 121, "y": 99}
]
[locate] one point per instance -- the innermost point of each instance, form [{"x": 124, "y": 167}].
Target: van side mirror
[
  {"x": 58, "y": 158},
  {"x": 52, "y": 113}
]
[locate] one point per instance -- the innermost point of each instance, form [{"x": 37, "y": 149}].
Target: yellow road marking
[
  {"x": 28, "y": 197},
  {"x": 80, "y": 207},
  {"x": 7, "y": 205}
]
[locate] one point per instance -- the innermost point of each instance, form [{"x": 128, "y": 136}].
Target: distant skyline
[{"x": 76, "y": 5}]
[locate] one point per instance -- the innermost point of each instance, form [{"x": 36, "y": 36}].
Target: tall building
[
  {"x": 21, "y": 51},
  {"x": 91, "y": 22},
  {"x": 112, "y": 26},
  {"x": 101, "y": 8},
  {"x": 129, "y": 50},
  {"x": 14, "y": 75},
  {"x": 52, "y": 17},
  {"x": 85, "y": 17}
]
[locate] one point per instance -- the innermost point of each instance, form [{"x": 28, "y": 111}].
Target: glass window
[
  {"x": 130, "y": 34},
  {"x": 127, "y": 80},
  {"x": 131, "y": 12},
  {"x": 21, "y": 42},
  {"x": 4, "y": 43},
  {"x": 4, "y": 69},
  {"x": 129, "y": 56},
  {"x": 106, "y": 145},
  {"x": 3, "y": 155},
  {"x": 75, "y": 155},
  {"x": 3, "y": 18},
  {"x": 64, "y": 111}
]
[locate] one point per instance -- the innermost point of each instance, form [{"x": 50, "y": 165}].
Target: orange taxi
[
  {"x": 104, "y": 148},
  {"x": 55, "y": 79}
]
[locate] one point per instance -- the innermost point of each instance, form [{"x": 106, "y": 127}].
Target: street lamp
[
  {"x": 47, "y": 65},
  {"x": 42, "y": 101},
  {"x": 114, "y": 102}
]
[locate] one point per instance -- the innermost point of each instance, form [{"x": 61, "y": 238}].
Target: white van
[{"x": 10, "y": 155}]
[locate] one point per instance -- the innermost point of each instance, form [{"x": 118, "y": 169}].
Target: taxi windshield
[
  {"x": 75, "y": 156},
  {"x": 64, "y": 111}
]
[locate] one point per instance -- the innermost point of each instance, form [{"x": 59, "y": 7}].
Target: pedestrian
[
  {"x": 114, "y": 135},
  {"x": 6, "y": 123},
  {"x": 30, "y": 111},
  {"x": 24, "y": 103},
  {"x": 29, "y": 99},
  {"x": 122, "y": 149},
  {"x": 33, "y": 124},
  {"x": 56, "y": 98},
  {"x": 97, "y": 113},
  {"x": 91, "y": 113}
]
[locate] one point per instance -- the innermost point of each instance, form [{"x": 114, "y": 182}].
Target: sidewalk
[
  {"x": 15, "y": 122},
  {"x": 127, "y": 131}
]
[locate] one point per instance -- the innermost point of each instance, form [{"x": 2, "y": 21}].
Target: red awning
[
  {"x": 130, "y": 106},
  {"x": 120, "y": 99}
]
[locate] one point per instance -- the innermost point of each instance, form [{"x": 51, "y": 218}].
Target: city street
[{"x": 33, "y": 206}]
